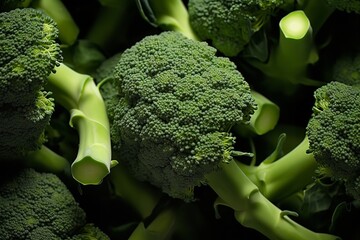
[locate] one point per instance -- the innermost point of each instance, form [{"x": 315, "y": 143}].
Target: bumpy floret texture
[
  {"x": 22, "y": 128},
  {"x": 334, "y": 131},
  {"x": 34, "y": 204},
  {"x": 90, "y": 232},
  {"x": 345, "y": 5},
  {"x": 178, "y": 100},
  {"x": 28, "y": 54},
  {"x": 229, "y": 24},
  {"x": 347, "y": 69}
]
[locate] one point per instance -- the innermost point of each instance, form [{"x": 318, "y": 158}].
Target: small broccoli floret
[
  {"x": 22, "y": 128},
  {"x": 25, "y": 65},
  {"x": 90, "y": 232},
  {"x": 68, "y": 29},
  {"x": 174, "y": 105},
  {"x": 347, "y": 69},
  {"x": 33, "y": 204},
  {"x": 334, "y": 131},
  {"x": 230, "y": 24}
]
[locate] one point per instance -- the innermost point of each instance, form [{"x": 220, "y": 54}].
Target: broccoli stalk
[
  {"x": 253, "y": 209},
  {"x": 80, "y": 96},
  {"x": 143, "y": 198},
  {"x": 168, "y": 15},
  {"x": 298, "y": 166},
  {"x": 289, "y": 60},
  {"x": 263, "y": 120},
  {"x": 55, "y": 163}
]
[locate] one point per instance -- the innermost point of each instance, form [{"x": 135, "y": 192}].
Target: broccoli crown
[
  {"x": 229, "y": 24},
  {"x": 334, "y": 131},
  {"x": 90, "y": 232},
  {"x": 347, "y": 69},
  {"x": 178, "y": 100},
  {"x": 22, "y": 128},
  {"x": 29, "y": 52},
  {"x": 34, "y": 204},
  {"x": 345, "y": 5}
]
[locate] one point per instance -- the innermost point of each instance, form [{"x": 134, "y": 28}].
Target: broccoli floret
[
  {"x": 68, "y": 29},
  {"x": 31, "y": 62},
  {"x": 347, "y": 69},
  {"x": 90, "y": 232},
  {"x": 334, "y": 131},
  {"x": 230, "y": 24},
  {"x": 175, "y": 102},
  {"x": 23, "y": 128},
  {"x": 33, "y": 204}
]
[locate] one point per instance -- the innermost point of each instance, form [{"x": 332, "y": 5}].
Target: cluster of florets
[{"x": 178, "y": 101}]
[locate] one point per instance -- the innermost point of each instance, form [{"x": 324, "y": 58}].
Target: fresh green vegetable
[
  {"x": 230, "y": 24},
  {"x": 37, "y": 205},
  {"x": 330, "y": 148},
  {"x": 32, "y": 65}
]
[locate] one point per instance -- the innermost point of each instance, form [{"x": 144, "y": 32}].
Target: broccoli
[
  {"x": 33, "y": 65},
  {"x": 174, "y": 102},
  {"x": 33, "y": 204},
  {"x": 170, "y": 15},
  {"x": 68, "y": 29},
  {"x": 288, "y": 59},
  {"x": 230, "y": 24},
  {"x": 330, "y": 148},
  {"x": 346, "y": 69},
  {"x": 171, "y": 127},
  {"x": 36, "y": 205}
]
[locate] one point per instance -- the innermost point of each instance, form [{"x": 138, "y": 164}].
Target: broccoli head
[
  {"x": 34, "y": 204},
  {"x": 177, "y": 103},
  {"x": 25, "y": 66},
  {"x": 334, "y": 131},
  {"x": 230, "y": 24},
  {"x": 22, "y": 128}
]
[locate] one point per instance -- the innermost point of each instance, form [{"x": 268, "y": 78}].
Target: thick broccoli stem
[
  {"x": 288, "y": 63},
  {"x": 254, "y": 210},
  {"x": 143, "y": 198},
  {"x": 317, "y": 12},
  {"x": 68, "y": 29},
  {"x": 263, "y": 120},
  {"x": 169, "y": 15},
  {"x": 47, "y": 160},
  {"x": 110, "y": 26},
  {"x": 80, "y": 96},
  {"x": 160, "y": 228},
  {"x": 286, "y": 176}
]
